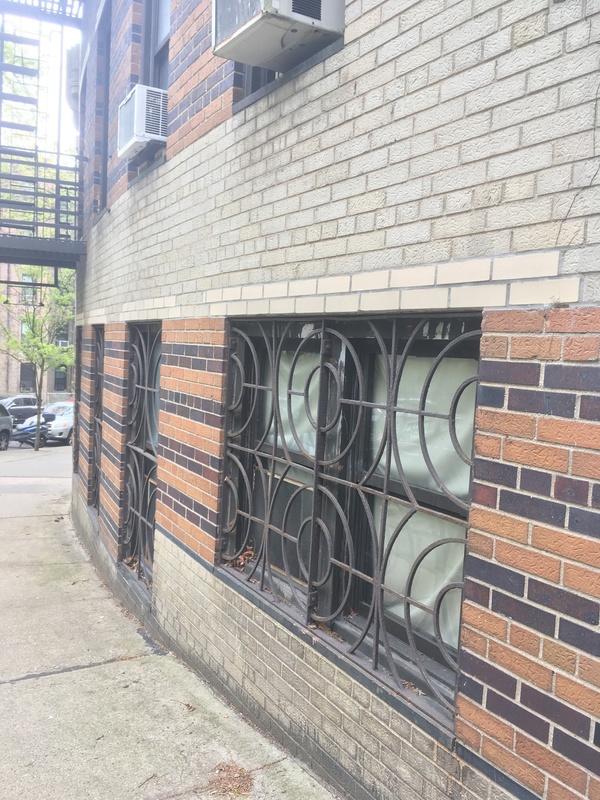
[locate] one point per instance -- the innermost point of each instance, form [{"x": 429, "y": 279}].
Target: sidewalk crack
[{"x": 32, "y": 676}]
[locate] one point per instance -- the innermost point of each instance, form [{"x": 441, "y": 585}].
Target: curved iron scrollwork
[
  {"x": 142, "y": 445},
  {"x": 347, "y": 484},
  {"x": 97, "y": 412},
  {"x": 78, "y": 349}
]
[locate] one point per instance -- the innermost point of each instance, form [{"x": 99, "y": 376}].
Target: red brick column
[
  {"x": 85, "y": 412},
  {"x": 202, "y": 88},
  {"x": 114, "y": 428},
  {"x": 530, "y": 700},
  {"x": 191, "y": 432}
]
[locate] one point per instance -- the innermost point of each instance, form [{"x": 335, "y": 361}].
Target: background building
[
  {"x": 283, "y": 464},
  {"x": 39, "y": 183}
]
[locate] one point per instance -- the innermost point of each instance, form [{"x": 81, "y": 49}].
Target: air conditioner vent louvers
[
  {"x": 310, "y": 8},
  {"x": 156, "y": 113}
]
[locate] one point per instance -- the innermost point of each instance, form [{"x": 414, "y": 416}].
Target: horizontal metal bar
[
  {"x": 30, "y": 284},
  {"x": 18, "y": 98},
  {"x": 17, "y": 204},
  {"x": 16, "y": 69},
  {"x": 12, "y": 37},
  {"x": 18, "y": 9},
  {"x": 19, "y": 126}
]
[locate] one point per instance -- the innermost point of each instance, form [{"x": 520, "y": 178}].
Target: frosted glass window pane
[
  {"x": 441, "y": 566},
  {"x": 305, "y": 364},
  {"x": 451, "y": 469}
]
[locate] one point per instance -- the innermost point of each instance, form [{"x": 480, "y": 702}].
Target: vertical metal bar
[
  {"x": 390, "y": 422},
  {"x": 317, "y": 505}
]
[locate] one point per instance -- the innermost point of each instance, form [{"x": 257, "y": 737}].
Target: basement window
[{"x": 347, "y": 485}]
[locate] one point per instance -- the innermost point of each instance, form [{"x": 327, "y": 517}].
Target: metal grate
[
  {"x": 347, "y": 484},
  {"x": 39, "y": 194},
  {"x": 76, "y": 408},
  {"x": 309, "y": 8},
  {"x": 156, "y": 112},
  {"x": 66, "y": 11},
  {"x": 142, "y": 444}
]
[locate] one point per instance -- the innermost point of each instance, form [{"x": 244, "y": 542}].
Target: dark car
[
  {"x": 5, "y": 427},
  {"x": 20, "y": 406}
]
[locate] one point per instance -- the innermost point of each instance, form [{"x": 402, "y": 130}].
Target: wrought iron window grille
[
  {"x": 76, "y": 408},
  {"x": 142, "y": 446},
  {"x": 98, "y": 410},
  {"x": 347, "y": 485}
]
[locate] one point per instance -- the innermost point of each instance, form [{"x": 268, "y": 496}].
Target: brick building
[{"x": 339, "y": 340}]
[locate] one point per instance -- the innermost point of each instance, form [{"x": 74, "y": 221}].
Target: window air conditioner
[
  {"x": 275, "y": 34},
  {"x": 142, "y": 119},
  {"x": 62, "y": 342}
]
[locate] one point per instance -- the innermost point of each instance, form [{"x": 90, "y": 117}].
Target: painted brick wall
[
  {"x": 530, "y": 698},
  {"x": 191, "y": 424}
]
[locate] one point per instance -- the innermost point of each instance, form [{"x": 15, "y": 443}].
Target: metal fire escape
[{"x": 40, "y": 190}]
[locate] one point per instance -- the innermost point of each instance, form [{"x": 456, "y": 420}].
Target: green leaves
[{"x": 36, "y": 318}]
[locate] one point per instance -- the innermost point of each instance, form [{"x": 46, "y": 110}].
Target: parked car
[
  {"x": 58, "y": 418},
  {"x": 61, "y": 428},
  {"x": 6, "y": 423},
  {"x": 20, "y": 406}
]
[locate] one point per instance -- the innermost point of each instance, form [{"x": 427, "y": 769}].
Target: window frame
[
  {"x": 284, "y": 77},
  {"x": 155, "y": 58}
]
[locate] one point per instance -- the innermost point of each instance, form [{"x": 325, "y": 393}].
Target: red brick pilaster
[
  {"x": 85, "y": 411},
  {"x": 191, "y": 432},
  {"x": 530, "y": 661},
  {"x": 114, "y": 425}
]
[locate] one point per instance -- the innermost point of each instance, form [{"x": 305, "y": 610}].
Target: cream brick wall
[
  {"x": 345, "y": 732},
  {"x": 444, "y": 158}
]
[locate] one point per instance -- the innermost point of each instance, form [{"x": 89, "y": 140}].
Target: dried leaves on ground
[{"x": 230, "y": 780}]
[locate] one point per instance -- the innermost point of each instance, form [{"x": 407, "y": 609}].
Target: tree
[{"x": 33, "y": 322}]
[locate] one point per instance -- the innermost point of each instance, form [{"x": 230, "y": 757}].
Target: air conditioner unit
[
  {"x": 142, "y": 119},
  {"x": 62, "y": 343},
  {"x": 275, "y": 34}
]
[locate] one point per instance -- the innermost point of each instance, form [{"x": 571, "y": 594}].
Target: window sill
[
  {"x": 333, "y": 48},
  {"x": 431, "y": 718},
  {"x": 147, "y": 168}
]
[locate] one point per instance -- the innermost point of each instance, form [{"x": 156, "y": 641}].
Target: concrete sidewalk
[{"x": 89, "y": 707}]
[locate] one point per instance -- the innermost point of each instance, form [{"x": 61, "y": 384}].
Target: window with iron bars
[
  {"x": 76, "y": 409},
  {"x": 347, "y": 485},
  {"x": 142, "y": 446}
]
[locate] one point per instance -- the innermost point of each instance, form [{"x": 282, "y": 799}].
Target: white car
[{"x": 60, "y": 429}]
